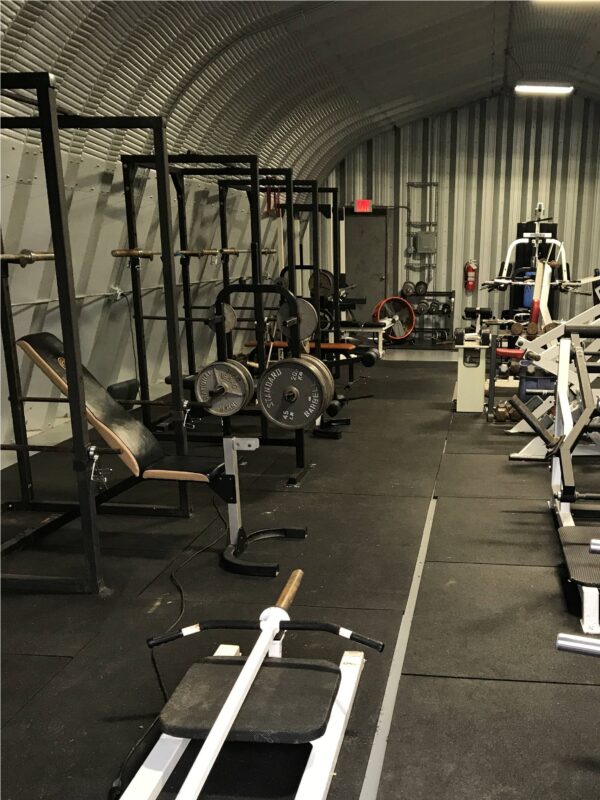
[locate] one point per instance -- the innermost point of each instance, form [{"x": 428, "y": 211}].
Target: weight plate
[
  {"x": 325, "y": 373},
  {"x": 326, "y": 320},
  {"x": 325, "y": 283},
  {"x": 421, "y": 288},
  {"x": 230, "y": 318},
  {"x": 247, "y": 377},
  {"x": 292, "y": 393},
  {"x": 224, "y": 387},
  {"x": 401, "y": 312},
  {"x": 307, "y": 318}
]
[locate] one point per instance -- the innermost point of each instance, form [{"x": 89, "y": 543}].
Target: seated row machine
[{"x": 262, "y": 699}]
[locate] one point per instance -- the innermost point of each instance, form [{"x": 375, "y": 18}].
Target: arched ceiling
[{"x": 300, "y": 83}]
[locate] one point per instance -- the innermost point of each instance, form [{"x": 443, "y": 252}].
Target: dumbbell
[
  {"x": 445, "y": 309},
  {"x": 434, "y": 307},
  {"x": 517, "y": 329},
  {"x": 503, "y": 369},
  {"x": 514, "y": 366},
  {"x": 408, "y": 289},
  {"x": 421, "y": 288},
  {"x": 421, "y": 308}
]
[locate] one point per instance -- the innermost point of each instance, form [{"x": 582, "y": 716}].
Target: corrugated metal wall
[
  {"x": 97, "y": 225},
  {"x": 493, "y": 160}
]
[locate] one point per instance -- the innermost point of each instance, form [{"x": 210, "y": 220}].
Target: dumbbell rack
[{"x": 421, "y": 329}]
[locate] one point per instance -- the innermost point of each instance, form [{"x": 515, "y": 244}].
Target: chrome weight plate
[
  {"x": 230, "y": 318},
  {"x": 325, "y": 373},
  {"x": 325, "y": 283},
  {"x": 224, "y": 387},
  {"x": 292, "y": 393},
  {"x": 307, "y": 319}
]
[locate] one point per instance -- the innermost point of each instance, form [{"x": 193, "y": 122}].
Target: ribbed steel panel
[{"x": 494, "y": 160}]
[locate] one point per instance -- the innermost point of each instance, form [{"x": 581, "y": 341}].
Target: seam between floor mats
[
  {"x": 372, "y": 777},
  {"x": 485, "y": 679}
]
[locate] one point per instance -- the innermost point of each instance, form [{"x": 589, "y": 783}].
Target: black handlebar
[{"x": 290, "y": 625}]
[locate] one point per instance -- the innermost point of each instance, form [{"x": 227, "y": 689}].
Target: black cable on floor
[{"x": 116, "y": 790}]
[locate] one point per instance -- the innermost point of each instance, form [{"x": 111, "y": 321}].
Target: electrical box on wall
[{"x": 426, "y": 242}]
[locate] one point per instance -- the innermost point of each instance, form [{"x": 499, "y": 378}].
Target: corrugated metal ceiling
[{"x": 299, "y": 82}]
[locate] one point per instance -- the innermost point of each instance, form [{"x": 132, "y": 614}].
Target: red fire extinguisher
[{"x": 470, "y": 275}]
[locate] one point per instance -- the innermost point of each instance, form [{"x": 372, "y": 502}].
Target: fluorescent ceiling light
[{"x": 543, "y": 88}]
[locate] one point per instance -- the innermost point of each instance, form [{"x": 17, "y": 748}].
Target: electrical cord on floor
[{"x": 117, "y": 789}]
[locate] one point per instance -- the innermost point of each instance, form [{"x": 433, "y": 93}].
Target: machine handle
[
  {"x": 584, "y": 645},
  {"x": 286, "y": 598}
]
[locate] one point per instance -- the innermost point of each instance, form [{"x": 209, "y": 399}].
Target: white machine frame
[
  {"x": 590, "y": 595},
  {"x": 158, "y": 766}
]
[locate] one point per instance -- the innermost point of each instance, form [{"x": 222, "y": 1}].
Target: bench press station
[
  {"x": 262, "y": 699},
  {"x": 143, "y": 455}
]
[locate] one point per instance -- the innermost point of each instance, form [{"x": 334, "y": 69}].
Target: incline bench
[{"x": 143, "y": 455}]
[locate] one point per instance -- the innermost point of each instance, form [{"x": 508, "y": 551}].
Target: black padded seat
[
  {"x": 579, "y": 534},
  {"x": 290, "y": 701},
  {"x": 178, "y": 468},
  {"x": 583, "y": 566}
]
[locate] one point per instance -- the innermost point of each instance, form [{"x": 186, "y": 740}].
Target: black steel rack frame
[
  {"x": 239, "y": 171},
  {"x": 49, "y": 123}
]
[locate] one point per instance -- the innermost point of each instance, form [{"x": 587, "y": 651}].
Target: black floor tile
[
  {"x": 482, "y": 621},
  {"x": 478, "y": 475},
  {"x": 469, "y": 740},
  {"x": 23, "y": 676},
  {"x": 60, "y": 748},
  {"x": 503, "y": 531},
  {"x": 472, "y": 433},
  {"x": 360, "y": 556}
]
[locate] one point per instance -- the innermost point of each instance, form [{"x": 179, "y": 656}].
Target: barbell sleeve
[
  {"x": 134, "y": 253},
  {"x": 286, "y": 598},
  {"x": 595, "y": 547},
  {"x": 25, "y": 257}
]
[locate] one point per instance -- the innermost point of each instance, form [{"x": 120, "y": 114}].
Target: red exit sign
[{"x": 363, "y": 206}]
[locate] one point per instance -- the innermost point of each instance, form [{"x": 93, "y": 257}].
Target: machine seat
[
  {"x": 289, "y": 703},
  {"x": 179, "y": 468}
]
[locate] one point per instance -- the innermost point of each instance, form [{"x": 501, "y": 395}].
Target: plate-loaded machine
[
  {"x": 582, "y": 645},
  {"x": 573, "y": 425},
  {"x": 544, "y": 352},
  {"x": 264, "y": 698}
]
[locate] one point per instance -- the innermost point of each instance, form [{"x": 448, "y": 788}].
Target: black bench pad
[
  {"x": 289, "y": 703},
  {"x": 583, "y": 566}
]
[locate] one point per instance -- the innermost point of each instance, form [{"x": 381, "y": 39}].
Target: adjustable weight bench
[{"x": 143, "y": 455}]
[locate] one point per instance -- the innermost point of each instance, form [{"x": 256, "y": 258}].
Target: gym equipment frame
[
  {"x": 242, "y": 166},
  {"x": 244, "y": 713},
  {"x": 49, "y": 123}
]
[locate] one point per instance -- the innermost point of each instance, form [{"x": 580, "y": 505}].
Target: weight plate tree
[
  {"x": 292, "y": 393},
  {"x": 224, "y": 387},
  {"x": 308, "y": 320},
  {"x": 402, "y": 314}
]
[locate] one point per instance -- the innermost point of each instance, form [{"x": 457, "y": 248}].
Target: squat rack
[
  {"x": 48, "y": 122},
  {"x": 206, "y": 165}
]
